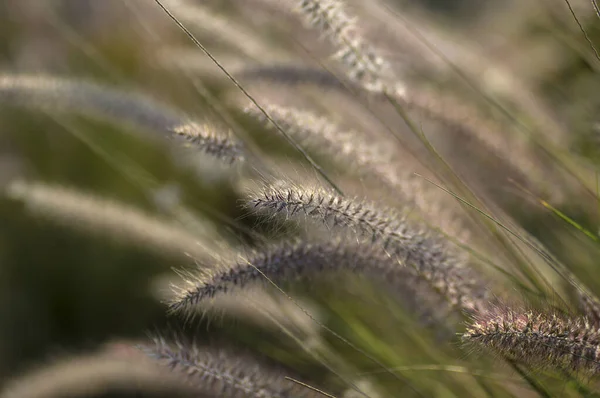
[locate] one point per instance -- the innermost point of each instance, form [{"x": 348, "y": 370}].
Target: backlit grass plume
[
  {"x": 456, "y": 288},
  {"x": 373, "y": 160},
  {"x": 252, "y": 305},
  {"x": 547, "y": 341},
  {"x": 204, "y": 138},
  {"x": 84, "y": 212},
  {"x": 218, "y": 371},
  {"x": 100, "y": 375},
  {"x": 410, "y": 243},
  {"x": 280, "y": 263},
  {"x": 361, "y": 60},
  {"x": 59, "y": 94},
  {"x": 394, "y": 232}
]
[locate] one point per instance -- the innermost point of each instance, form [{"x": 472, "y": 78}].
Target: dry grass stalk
[
  {"x": 287, "y": 262},
  {"x": 362, "y": 62},
  {"x": 408, "y": 243}
]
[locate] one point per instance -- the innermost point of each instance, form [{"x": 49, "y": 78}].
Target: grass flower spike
[
  {"x": 362, "y": 63},
  {"x": 218, "y": 371},
  {"x": 539, "y": 340}
]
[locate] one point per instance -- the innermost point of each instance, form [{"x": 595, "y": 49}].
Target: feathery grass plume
[
  {"x": 449, "y": 112},
  {"x": 85, "y": 212},
  {"x": 50, "y": 93},
  {"x": 252, "y": 305},
  {"x": 369, "y": 159},
  {"x": 363, "y": 64},
  {"x": 407, "y": 242},
  {"x": 306, "y": 87},
  {"x": 545, "y": 341},
  {"x": 427, "y": 295},
  {"x": 454, "y": 120},
  {"x": 413, "y": 243},
  {"x": 429, "y": 49},
  {"x": 216, "y": 370},
  {"x": 210, "y": 141},
  {"x": 235, "y": 82},
  {"x": 447, "y": 109},
  {"x": 100, "y": 375}
]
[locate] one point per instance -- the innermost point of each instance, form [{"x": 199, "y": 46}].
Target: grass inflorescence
[{"x": 537, "y": 339}]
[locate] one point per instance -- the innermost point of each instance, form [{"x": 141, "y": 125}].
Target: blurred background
[{"x": 67, "y": 287}]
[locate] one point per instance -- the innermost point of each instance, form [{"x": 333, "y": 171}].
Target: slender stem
[{"x": 297, "y": 146}]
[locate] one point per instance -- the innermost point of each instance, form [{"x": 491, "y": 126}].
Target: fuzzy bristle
[
  {"x": 362, "y": 62},
  {"x": 99, "y": 375},
  {"x": 218, "y": 371},
  {"x": 411, "y": 242},
  {"x": 204, "y": 138},
  {"x": 540, "y": 340},
  {"x": 457, "y": 286},
  {"x": 356, "y": 153}
]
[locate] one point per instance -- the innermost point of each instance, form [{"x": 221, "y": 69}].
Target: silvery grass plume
[
  {"x": 96, "y": 215},
  {"x": 207, "y": 139},
  {"x": 373, "y": 73},
  {"x": 56, "y": 94},
  {"x": 543, "y": 341},
  {"x": 356, "y": 153},
  {"x": 253, "y": 305},
  {"x": 218, "y": 371},
  {"x": 449, "y": 121},
  {"x": 99, "y": 375},
  {"x": 430, "y": 299},
  {"x": 488, "y": 74},
  {"x": 361, "y": 60},
  {"x": 409, "y": 242},
  {"x": 433, "y": 50}
]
